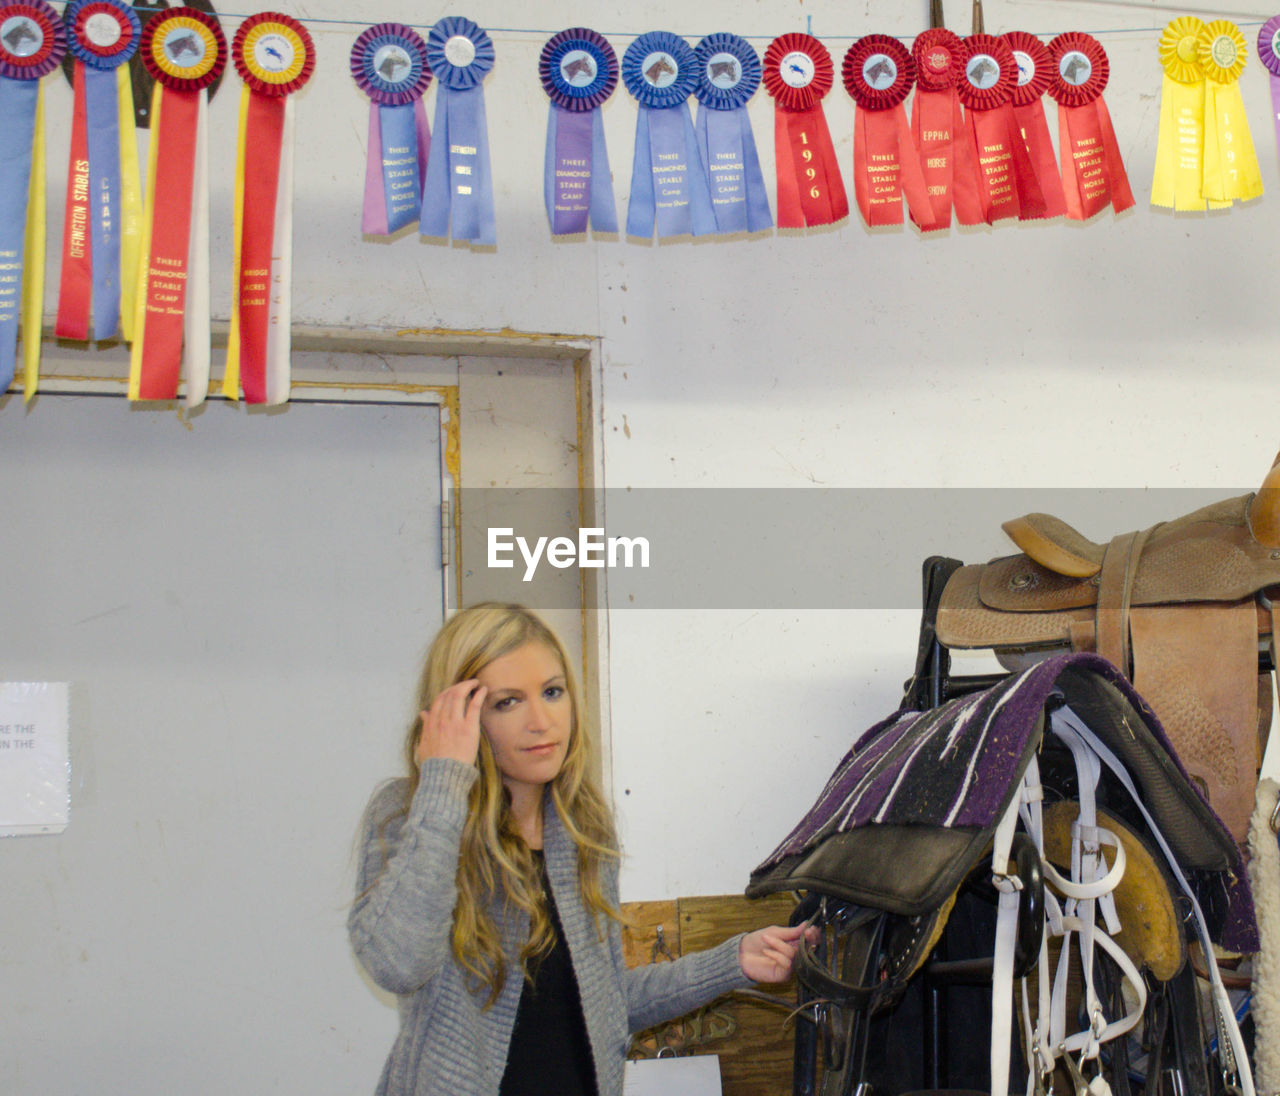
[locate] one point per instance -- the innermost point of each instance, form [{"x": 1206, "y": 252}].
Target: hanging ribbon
[
  {"x": 274, "y": 56},
  {"x": 728, "y": 75},
  {"x": 1093, "y": 174},
  {"x": 32, "y": 42},
  {"x": 1035, "y": 70},
  {"x": 1178, "y": 181},
  {"x": 102, "y": 36},
  {"x": 1007, "y": 182},
  {"x": 668, "y": 184},
  {"x": 579, "y": 71},
  {"x": 389, "y": 64},
  {"x": 798, "y": 73},
  {"x": 1269, "y": 53},
  {"x": 458, "y": 194},
  {"x": 946, "y": 150},
  {"x": 184, "y": 51},
  {"x": 1231, "y": 170},
  {"x": 879, "y": 74}
]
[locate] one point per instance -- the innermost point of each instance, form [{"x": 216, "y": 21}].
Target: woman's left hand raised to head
[{"x": 768, "y": 955}]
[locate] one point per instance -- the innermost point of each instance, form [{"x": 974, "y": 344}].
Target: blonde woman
[{"x": 487, "y": 893}]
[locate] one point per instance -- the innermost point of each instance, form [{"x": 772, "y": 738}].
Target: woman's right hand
[{"x": 451, "y": 726}]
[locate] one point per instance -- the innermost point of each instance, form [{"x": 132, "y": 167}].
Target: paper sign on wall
[
  {"x": 695, "y": 1075},
  {"x": 35, "y": 779}
]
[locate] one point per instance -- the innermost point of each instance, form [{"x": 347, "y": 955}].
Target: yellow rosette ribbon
[
  {"x": 1179, "y": 174},
  {"x": 1230, "y": 163}
]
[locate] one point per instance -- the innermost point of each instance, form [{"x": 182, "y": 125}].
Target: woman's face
[{"x": 527, "y": 715}]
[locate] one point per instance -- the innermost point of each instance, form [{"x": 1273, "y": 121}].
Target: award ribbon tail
[
  {"x": 1239, "y": 178},
  {"x": 104, "y": 207},
  {"x": 604, "y": 211},
  {"x": 672, "y": 173},
  {"x": 144, "y": 254},
  {"x": 131, "y": 220},
  {"x": 76, "y": 281},
  {"x": 1177, "y": 181},
  {"x": 702, "y": 212},
  {"x": 759, "y": 217},
  {"x": 931, "y": 115},
  {"x": 398, "y": 185},
  {"x": 640, "y": 206},
  {"x": 1121, "y": 194},
  {"x": 435, "y": 187},
  {"x": 33, "y": 275},
  {"x": 790, "y": 214},
  {"x": 1035, "y": 135},
  {"x": 196, "y": 337},
  {"x": 263, "y": 131},
  {"x": 999, "y": 185},
  {"x": 1032, "y": 205},
  {"x": 231, "y": 372},
  {"x": 373, "y": 213},
  {"x": 568, "y": 170},
  {"x": 18, "y": 110},
  {"x": 720, "y": 145},
  {"x": 966, "y": 186},
  {"x": 279, "y": 316}
]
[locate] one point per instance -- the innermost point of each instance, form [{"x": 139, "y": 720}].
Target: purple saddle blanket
[{"x": 911, "y": 808}]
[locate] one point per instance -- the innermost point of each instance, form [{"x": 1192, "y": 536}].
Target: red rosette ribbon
[
  {"x": 879, "y": 73},
  {"x": 985, "y": 80},
  {"x": 185, "y": 52},
  {"x": 1035, "y": 73},
  {"x": 274, "y": 56},
  {"x": 798, "y": 73},
  {"x": 1093, "y": 174},
  {"x": 947, "y": 156}
]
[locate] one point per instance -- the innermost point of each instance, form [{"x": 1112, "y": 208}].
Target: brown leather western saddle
[{"x": 1182, "y": 609}]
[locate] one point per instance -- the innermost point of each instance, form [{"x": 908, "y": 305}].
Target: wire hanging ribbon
[
  {"x": 185, "y": 52},
  {"x": 102, "y": 224},
  {"x": 668, "y": 184},
  {"x": 1093, "y": 174},
  {"x": 798, "y": 74},
  {"x": 879, "y": 74},
  {"x": 274, "y": 56},
  {"x": 458, "y": 195},
  {"x": 32, "y": 42},
  {"x": 1035, "y": 70},
  {"x": 1008, "y": 185},
  {"x": 728, "y": 76},
  {"x": 389, "y": 64},
  {"x": 579, "y": 71},
  {"x": 946, "y": 150},
  {"x": 1231, "y": 170}
]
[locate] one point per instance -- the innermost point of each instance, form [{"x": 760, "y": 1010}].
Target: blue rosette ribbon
[
  {"x": 32, "y": 43},
  {"x": 459, "y": 187},
  {"x": 579, "y": 71},
  {"x": 668, "y": 181},
  {"x": 389, "y": 64},
  {"x": 102, "y": 35},
  {"x": 728, "y": 75}
]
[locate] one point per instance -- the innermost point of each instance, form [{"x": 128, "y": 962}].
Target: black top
[{"x": 550, "y": 1054}]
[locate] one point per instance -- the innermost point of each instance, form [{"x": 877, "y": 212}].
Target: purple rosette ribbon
[
  {"x": 579, "y": 71},
  {"x": 668, "y": 181},
  {"x": 389, "y": 63},
  {"x": 1269, "y": 54},
  {"x": 458, "y": 194},
  {"x": 728, "y": 75}
]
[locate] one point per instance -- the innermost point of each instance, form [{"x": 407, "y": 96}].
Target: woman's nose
[{"x": 539, "y": 715}]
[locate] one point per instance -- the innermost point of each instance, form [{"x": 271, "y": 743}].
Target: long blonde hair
[{"x": 494, "y": 857}]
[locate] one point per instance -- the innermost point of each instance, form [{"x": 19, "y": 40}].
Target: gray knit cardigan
[{"x": 449, "y": 1044}]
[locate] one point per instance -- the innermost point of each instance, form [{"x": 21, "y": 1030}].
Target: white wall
[{"x": 1133, "y": 351}]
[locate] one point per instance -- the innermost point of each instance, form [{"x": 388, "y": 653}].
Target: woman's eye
[
  {"x": 505, "y": 704},
  {"x": 553, "y": 692}
]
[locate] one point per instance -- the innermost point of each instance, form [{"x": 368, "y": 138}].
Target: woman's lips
[{"x": 541, "y": 750}]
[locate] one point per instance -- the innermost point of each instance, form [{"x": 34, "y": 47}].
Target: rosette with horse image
[
  {"x": 669, "y": 191},
  {"x": 102, "y": 224},
  {"x": 728, "y": 75},
  {"x": 185, "y": 52},
  {"x": 579, "y": 71},
  {"x": 879, "y": 75},
  {"x": 32, "y": 42},
  {"x": 1035, "y": 70},
  {"x": 457, "y": 198},
  {"x": 988, "y": 73},
  {"x": 798, "y": 73},
  {"x": 389, "y": 64},
  {"x": 946, "y": 149},
  {"x": 1093, "y": 174},
  {"x": 274, "y": 56}
]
